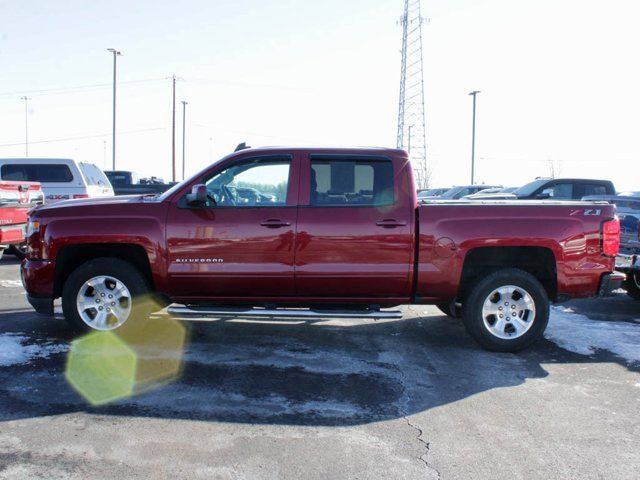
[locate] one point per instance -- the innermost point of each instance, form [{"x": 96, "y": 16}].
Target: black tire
[
  {"x": 123, "y": 271},
  {"x": 18, "y": 251},
  {"x": 632, "y": 285},
  {"x": 450, "y": 309},
  {"x": 473, "y": 310}
]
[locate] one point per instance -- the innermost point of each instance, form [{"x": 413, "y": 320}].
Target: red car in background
[{"x": 16, "y": 200}]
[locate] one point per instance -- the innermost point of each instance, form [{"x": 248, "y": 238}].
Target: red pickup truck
[
  {"x": 322, "y": 232},
  {"x": 16, "y": 199}
]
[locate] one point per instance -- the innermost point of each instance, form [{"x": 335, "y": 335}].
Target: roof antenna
[{"x": 242, "y": 146}]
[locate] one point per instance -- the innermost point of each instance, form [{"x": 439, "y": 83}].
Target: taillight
[
  {"x": 81, "y": 195},
  {"x": 611, "y": 237}
]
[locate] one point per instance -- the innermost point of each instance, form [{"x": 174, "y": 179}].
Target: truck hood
[{"x": 97, "y": 201}]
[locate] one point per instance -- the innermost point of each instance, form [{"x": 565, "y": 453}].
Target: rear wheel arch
[{"x": 540, "y": 262}]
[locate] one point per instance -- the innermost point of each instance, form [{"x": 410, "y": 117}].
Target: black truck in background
[{"x": 127, "y": 183}]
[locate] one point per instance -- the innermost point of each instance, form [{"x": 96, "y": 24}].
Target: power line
[
  {"x": 84, "y": 137},
  {"x": 77, "y": 88}
]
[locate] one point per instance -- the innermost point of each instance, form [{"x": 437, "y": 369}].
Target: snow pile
[
  {"x": 579, "y": 334},
  {"x": 13, "y": 350}
]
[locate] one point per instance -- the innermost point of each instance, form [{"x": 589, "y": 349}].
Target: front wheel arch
[{"x": 141, "y": 297}]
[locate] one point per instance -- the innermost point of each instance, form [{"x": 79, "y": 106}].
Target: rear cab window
[
  {"x": 33, "y": 172},
  {"x": 347, "y": 182}
]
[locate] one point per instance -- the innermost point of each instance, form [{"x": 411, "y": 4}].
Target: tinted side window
[
  {"x": 591, "y": 189},
  {"x": 560, "y": 191},
  {"x": 36, "y": 173},
  {"x": 351, "y": 182}
]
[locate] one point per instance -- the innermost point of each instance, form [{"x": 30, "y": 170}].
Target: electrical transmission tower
[{"x": 411, "y": 120}]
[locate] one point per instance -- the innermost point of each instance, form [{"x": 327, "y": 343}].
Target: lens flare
[{"x": 144, "y": 353}]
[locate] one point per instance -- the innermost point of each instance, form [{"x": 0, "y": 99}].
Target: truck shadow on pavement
[{"x": 291, "y": 373}]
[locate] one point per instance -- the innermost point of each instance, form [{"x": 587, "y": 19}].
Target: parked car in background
[
  {"x": 60, "y": 178},
  {"x": 456, "y": 193},
  {"x": 16, "y": 199},
  {"x": 629, "y": 213},
  {"x": 496, "y": 193},
  {"x": 431, "y": 192},
  {"x": 125, "y": 182}
]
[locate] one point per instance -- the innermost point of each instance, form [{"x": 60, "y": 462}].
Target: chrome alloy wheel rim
[
  {"x": 104, "y": 303},
  {"x": 508, "y": 312}
]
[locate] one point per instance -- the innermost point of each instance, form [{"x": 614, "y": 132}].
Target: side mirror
[{"x": 198, "y": 196}]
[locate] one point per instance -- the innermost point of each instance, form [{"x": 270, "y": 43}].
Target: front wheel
[
  {"x": 632, "y": 285},
  {"x": 506, "y": 311},
  {"x": 103, "y": 294}
]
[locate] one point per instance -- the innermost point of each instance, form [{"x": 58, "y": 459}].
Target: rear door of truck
[{"x": 355, "y": 232}]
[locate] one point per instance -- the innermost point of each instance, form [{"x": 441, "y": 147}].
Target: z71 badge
[{"x": 587, "y": 212}]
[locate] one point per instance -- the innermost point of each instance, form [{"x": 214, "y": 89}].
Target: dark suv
[{"x": 564, "y": 189}]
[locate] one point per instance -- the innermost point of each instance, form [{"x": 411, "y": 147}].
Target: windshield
[
  {"x": 529, "y": 188},
  {"x": 452, "y": 192}
]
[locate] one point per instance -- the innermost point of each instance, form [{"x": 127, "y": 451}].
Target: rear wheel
[
  {"x": 632, "y": 285},
  {"x": 506, "y": 311},
  {"x": 103, "y": 294}
]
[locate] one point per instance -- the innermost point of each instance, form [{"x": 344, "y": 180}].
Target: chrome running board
[{"x": 203, "y": 313}]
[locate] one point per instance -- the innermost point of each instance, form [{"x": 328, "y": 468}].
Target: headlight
[{"x": 33, "y": 226}]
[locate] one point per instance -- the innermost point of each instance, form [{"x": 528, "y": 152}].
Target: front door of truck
[
  {"x": 355, "y": 233},
  {"x": 241, "y": 242}
]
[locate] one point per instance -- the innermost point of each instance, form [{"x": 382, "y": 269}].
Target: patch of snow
[
  {"x": 11, "y": 283},
  {"x": 577, "y": 333},
  {"x": 14, "y": 350}
]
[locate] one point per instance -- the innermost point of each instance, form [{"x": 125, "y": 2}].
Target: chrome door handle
[
  {"x": 391, "y": 223},
  {"x": 275, "y": 223}
]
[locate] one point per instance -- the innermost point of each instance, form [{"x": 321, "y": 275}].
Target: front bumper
[
  {"x": 37, "y": 278},
  {"x": 610, "y": 283}
]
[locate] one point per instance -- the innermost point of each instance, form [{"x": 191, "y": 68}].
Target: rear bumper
[
  {"x": 12, "y": 234},
  {"x": 610, "y": 282}
]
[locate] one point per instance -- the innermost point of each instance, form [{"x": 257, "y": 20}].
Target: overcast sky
[{"x": 560, "y": 81}]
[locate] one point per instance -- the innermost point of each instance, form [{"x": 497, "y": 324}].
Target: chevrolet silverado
[{"x": 342, "y": 234}]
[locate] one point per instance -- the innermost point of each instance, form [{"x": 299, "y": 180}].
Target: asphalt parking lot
[{"x": 334, "y": 399}]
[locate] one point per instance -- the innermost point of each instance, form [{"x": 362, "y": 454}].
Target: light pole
[
  {"x": 473, "y": 137},
  {"x": 116, "y": 54},
  {"x": 26, "y": 124},
  {"x": 173, "y": 133},
  {"x": 184, "y": 129}
]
